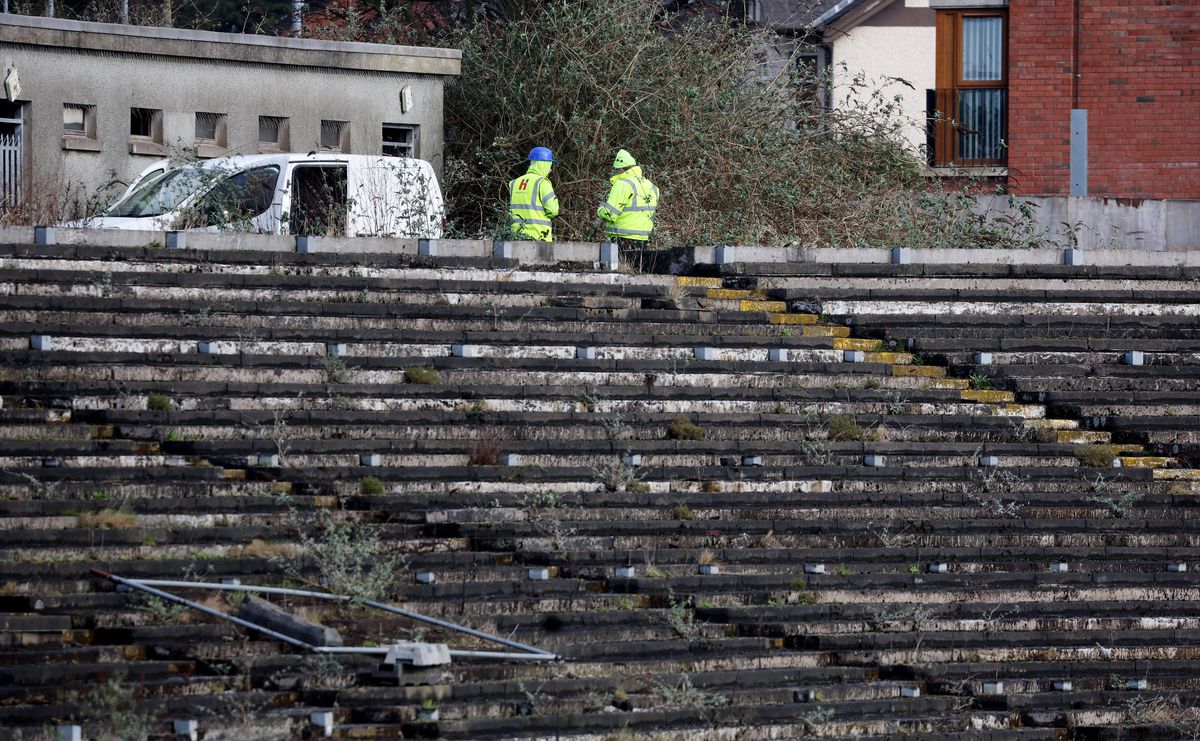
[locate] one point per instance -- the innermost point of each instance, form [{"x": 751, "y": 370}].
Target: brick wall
[{"x": 1139, "y": 65}]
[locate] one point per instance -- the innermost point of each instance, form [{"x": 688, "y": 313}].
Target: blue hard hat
[{"x": 541, "y": 154}]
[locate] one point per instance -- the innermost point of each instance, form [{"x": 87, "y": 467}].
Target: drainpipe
[
  {"x": 49, "y": 8},
  {"x": 1075, "y": 56},
  {"x": 296, "y": 6},
  {"x": 1079, "y": 118}
]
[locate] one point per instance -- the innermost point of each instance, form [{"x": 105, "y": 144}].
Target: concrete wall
[
  {"x": 115, "y": 68},
  {"x": 1114, "y": 224},
  {"x": 896, "y": 42}
]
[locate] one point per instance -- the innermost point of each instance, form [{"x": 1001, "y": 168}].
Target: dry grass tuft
[{"x": 107, "y": 519}]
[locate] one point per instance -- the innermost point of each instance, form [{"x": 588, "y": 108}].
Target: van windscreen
[{"x": 160, "y": 194}]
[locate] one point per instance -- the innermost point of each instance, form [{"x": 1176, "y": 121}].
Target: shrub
[
  {"x": 484, "y": 454},
  {"x": 682, "y": 512},
  {"x": 107, "y": 519},
  {"x": 682, "y": 428},
  {"x": 696, "y": 82},
  {"x": 980, "y": 381},
  {"x": 113, "y": 705},
  {"x": 422, "y": 376},
  {"x": 616, "y": 475},
  {"x": 844, "y": 429},
  {"x": 351, "y": 560},
  {"x": 335, "y": 368},
  {"x": 1096, "y": 456},
  {"x": 159, "y": 403},
  {"x": 371, "y": 486}
]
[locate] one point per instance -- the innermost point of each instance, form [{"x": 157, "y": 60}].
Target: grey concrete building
[{"x": 91, "y": 105}]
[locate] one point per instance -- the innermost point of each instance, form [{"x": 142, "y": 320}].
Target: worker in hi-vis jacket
[
  {"x": 628, "y": 212},
  {"x": 531, "y": 201}
]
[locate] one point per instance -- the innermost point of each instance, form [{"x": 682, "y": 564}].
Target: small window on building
[
  {"x": 211, "y": 128},
  {"x": 399, "y": 140},
  {"x": 335, "y": 136},
  {"x": 146, "y": 123},
  {"x": 79, "y": 127},
  {"x": 212, "y": 134},
  {"x": 273, "y": 134},
  {"x": 146, "y": 132}
]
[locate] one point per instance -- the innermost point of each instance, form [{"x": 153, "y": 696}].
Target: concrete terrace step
[
  {"x": 126, "y": 450},
  {"x": 262, "y": 318}
]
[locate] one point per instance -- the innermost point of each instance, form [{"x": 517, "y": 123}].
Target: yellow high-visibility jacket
[
  {"x": 532, "y": 203},
  {"x": 629, "y": 210}
]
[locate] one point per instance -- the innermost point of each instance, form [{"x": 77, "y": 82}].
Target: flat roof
[{"x": 25, "y": 30}]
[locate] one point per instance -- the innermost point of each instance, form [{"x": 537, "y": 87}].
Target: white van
[{"x": 313, "y": 194}]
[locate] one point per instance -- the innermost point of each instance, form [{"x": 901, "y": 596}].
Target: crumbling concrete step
[{"x": 250, "y": 377}]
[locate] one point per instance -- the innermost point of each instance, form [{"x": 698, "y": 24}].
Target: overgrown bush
[
  {"x": 1097, "y": 456},
  {"x": 351, "y": 559},
  {"x": 843, "y": 428},
  {"x": 422, "y": 376},
  {"x": 740, "y": 152},
  {"x": 159, "y": 403},
  {"x": 682, "y": 428},
  {"x": 484, "y": 454}
]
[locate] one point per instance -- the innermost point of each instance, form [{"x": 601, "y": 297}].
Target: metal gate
[{"x": 11, "y": 161}]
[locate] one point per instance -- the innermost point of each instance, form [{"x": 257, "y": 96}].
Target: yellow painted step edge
[
  {"x": 989, "y": 396},
  {"x": 781, "y": 318},
  {"x": 1145, "y": 461},
  {"x": 769, "y": 306},
  {"x": 852, "y": 343},
  {"x": 1177, "y": 474},
  {"x": 698, "y": 281},
  {"x": 927, "y": 371}
]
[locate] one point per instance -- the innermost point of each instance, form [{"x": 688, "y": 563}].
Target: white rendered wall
[{"x": 895, "y": 42}]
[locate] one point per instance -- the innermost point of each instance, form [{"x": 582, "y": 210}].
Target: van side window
[{"x": 241, "y": 196}]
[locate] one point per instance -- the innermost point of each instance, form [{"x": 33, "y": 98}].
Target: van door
[
  {"x": 318, "y": 199},
  {"x": 244, "y": 201}
]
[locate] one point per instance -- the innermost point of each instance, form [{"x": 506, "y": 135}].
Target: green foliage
[
  {"x": 722, "y": 130},
  {"x": 682, "y": 428},
  {"x": 843, "y": 428},
  {"x": 114, "y": 706},
  {"x": 543, "y": 499},
  {"x": 335, "y": 368},
  {"x": 709, "y": 121},
  {"x": 371, "y": 486},
  {"x": 681, "y": 617},
  {"x": 161, "y": 611},
  {"x": 159, "y": 403},
  {"x": 1119, "y": 506},
  {"x": 351, "y": 559},
  {"x": 422, "y": 376},
  {"x": 980, "y": 381},
  {"x": 682, "y": 512},
  {"x": 1097, "y": 456},
  {"x": 617, "y": 475},
  {"x": 686, "y": 695}
]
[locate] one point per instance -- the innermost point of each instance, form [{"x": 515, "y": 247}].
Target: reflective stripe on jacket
[
  {"x": 532, "y": 203},
  {"x": 629, "y": 210}
]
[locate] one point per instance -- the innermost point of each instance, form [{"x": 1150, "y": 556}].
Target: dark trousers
[{"x": 634, "y": 252}]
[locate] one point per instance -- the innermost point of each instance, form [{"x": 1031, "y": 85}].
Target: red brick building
[
  {"x": 996, "y": 82},
  {"x": 1134, "y": 66}
]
